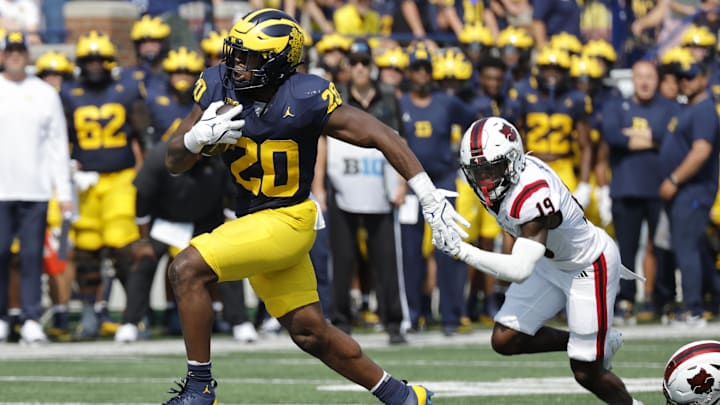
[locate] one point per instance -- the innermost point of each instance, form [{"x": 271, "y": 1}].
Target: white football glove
[
  {"x": 213, "y": 128},
  {"x": 582, "y": 194},
  {"x": 604, "y": 202},
  {"x": 85, "y": 180},
  {"x": 447, "y": 234}
]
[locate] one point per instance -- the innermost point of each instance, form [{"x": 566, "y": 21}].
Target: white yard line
[{"x": 224, "y": 344}]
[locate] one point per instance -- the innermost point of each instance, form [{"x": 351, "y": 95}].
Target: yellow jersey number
[
  {"x": 332, "y": 96},
  {"x": 265, "y": 153},
  {"x": 93, "y": 134},
  {"x": 549, "y": 133}
]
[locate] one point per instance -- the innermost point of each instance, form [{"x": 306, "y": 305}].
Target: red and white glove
[{"x": 213, "y": 128}]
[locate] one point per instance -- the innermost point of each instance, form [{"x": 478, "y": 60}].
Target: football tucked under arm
[{"x": 515, "y": 267}]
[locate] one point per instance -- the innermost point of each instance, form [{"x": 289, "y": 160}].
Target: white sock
[
  {"x": 197, "y": 363},
  {"x": 382, "y": 379}
]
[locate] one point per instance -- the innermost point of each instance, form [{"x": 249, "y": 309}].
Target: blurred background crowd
[{"x": 618, "y": 96}]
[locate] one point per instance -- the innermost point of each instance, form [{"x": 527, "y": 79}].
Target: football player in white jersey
[{"x": 559, "y": 261}]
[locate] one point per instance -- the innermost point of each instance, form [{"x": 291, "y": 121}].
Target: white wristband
[{"x": 422, "y": 186}]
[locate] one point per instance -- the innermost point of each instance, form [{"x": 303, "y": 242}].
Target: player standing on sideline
[
  {"x": 105, "y": 146},
  {"x": 273, "y": 160},
  {"x": 559, "y": 261}
]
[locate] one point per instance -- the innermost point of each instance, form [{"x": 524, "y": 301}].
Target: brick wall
[{"x": 114, "y": 18}]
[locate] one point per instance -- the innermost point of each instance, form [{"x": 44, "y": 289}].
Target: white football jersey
[{"x": 576, "y": 242}]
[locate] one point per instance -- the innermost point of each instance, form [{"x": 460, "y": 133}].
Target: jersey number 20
[{"x": 270, "y": 155}]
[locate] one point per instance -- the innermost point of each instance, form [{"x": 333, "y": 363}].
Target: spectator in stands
[
  {"x": 480, "y": 12},
  {"x": 32, "y": 167},
  {"x": 667, "y": 18},
  {"x": 636, "y": 130},
  {"x": 689, "y": 166},
  {"x": 332, "y": 49},
  {"x": 22, "y": 16},
  {"x": 357, "y": 18},
  {"x": 517, "y": 13},
  {"x": 391, "y": 63},
  {"x": 359, "y": 198},
  {"x": 552, "y": 17},
  {"x": 54, "y": 32}
]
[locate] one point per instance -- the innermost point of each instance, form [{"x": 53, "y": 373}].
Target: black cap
[
  {"x": 14, "y": 40},
  {"x": 360, "y": 47}
]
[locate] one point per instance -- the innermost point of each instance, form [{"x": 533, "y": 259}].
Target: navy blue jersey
[
  {"x": 166, "y": 112},
  {"x": 143, "y": 76},
  {"x": 483, "y": 106},
  {"x": 636, "y": 173},
  {"x": 273, "y": 163},
  {"x": 558, "y": 16},
  {"x": 98, "y": 118},
  {"x": 547, "y": 123},
  {"x": 693, "y": 122},
  {"x": 429, "y": 130}
]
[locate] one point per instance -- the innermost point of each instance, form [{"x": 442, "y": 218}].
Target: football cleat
[
  {"x": 187, "y": 395},
  {"x": 419, "y": 395}
]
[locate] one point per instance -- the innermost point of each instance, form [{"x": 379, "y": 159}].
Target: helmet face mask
[
  {"x": 95, "y": 71},
  {"x": 489, "y": 178}
]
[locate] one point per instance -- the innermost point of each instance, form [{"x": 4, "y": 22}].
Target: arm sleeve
[
  {"x": 658, "y": 134},
  {"x": 59, "y": 150},
  {"x": 515, "y": 267},
  {"x": 611, "y": 126},
  {"x": 705, "y": 125}
]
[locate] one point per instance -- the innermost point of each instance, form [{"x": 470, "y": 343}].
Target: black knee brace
[{"x": 87, "y": 264}]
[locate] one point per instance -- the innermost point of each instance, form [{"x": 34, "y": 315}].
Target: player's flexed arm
[{"x": 355, "y": 126}]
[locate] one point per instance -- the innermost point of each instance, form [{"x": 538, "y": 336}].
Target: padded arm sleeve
[{"x": 515, "y": 267}]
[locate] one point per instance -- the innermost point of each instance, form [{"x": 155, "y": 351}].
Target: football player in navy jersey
[
  {"x": 168, "y": 104},
  {"x": 107, "y": 151},
  {"x": 271, "y": 153},
  {"x": 150, "y": 36},
  {"x": 552, "y": 117}
]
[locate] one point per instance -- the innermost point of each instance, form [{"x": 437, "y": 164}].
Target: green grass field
[{"x": 461, "y": 370}]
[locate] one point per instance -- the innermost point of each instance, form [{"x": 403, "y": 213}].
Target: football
[{"x": 217, "y": 148}]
